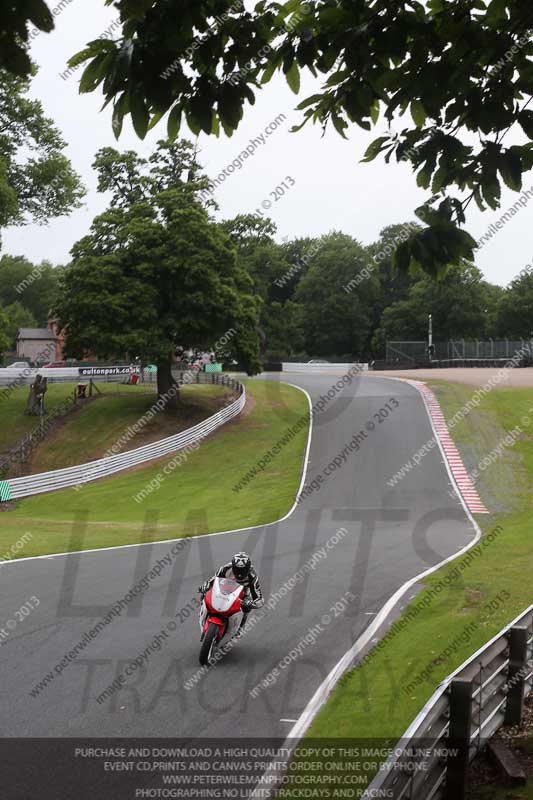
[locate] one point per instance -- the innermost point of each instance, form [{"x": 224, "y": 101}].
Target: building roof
[{"x": 35, "y": 333}]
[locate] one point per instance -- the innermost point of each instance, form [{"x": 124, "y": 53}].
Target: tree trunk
[
  {"x": 167, "y": 388},
  {"x": 36, "y": 397}
]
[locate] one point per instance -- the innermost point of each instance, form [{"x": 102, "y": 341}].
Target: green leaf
[
  {"x": 174, "y": 122},
  {"x": 439, "y": 179},
  {"x": 401, "y": 258},
  {"x": 510, "y": 168},
  {"x": 140, "y": 116},
  {"x": 158, "y": 116},
  {"x": 525, "y": 118},
  {"x": 202, "y": 113},
  {"x": 117, "y": 120},
  {"x": 496, "y": 12},
  {"x": 423, "y": 177},
  {"x": 468, "y": 240},
  {"x": 339, "y": 124},
  {"x": 94, "y": 73},
  {"x": 269, "y": 71},
  {"x": 374, "y": 111},
  {"x": 491, "y": 192},
  {"x": 80, "y": 57},
  {"x": 436, "y": 6},
  {"x": 315, "y": 98},
  {"x": 418, "y": 113},
  {"x": 479, "y": 201},
  {"x": 100, "y": 44},
  {"x": 136, "y": 9},
  {"x": 38, "y": 13},
  {"x": 193, "y": 122},
  {"x": 375, "y": 148},
  {"x": 293, "y": 77},
  {"x": 296, "y": 128},
  {"x": 230, "y": 109},
  {"x": 428, "y": 215}
]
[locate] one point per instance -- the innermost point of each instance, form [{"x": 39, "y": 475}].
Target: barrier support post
[
  {"x": 459, "y": 740},
  {"x": 514, "y": 708}
]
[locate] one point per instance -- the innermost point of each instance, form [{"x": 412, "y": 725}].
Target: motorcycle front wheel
[{"x": 208, "y": 644}]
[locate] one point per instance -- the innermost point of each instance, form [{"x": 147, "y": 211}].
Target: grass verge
[
  {"x": 377, "y": 699},
  {"x": 15, "y": 424},
  {"x": 196, "y": 497},
  {"x": 89, "y": 434}
]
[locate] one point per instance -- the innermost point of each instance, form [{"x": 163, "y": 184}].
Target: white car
[{"x": 19, "y": 365}]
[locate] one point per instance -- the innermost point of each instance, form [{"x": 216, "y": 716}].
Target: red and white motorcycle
[{"x": 220, "y": 615}]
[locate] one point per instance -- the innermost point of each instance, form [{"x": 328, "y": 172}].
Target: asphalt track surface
[{"x": 392, "y": 534}]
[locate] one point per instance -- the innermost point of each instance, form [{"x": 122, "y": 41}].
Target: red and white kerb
[{"x": 462, "y": 479}]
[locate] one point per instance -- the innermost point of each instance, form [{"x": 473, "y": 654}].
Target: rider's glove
[
  {"x": 204, "y": 587},
  {"x": 246, "y": 606}
]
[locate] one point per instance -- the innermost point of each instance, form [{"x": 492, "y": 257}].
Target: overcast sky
[{"x": 332, "y": 191}]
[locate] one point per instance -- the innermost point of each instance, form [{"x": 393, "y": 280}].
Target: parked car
[
  {"x": 19, "y": 365},
  {"x": 54, "y": 364},
  {"x": 318, "y": 361}
]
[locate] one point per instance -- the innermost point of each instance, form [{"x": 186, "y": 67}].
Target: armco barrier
[
  {"x": 288, "y": 366},
  {"x": 103, "y": 467},
  {"x": 469, "y": 706}
]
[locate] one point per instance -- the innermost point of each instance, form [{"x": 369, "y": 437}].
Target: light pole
[{"x": 430, "y": 337}]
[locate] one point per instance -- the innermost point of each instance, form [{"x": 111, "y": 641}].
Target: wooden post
[
  {"x": 514, "y": 708},
  {"x": 459, "y": 739}
]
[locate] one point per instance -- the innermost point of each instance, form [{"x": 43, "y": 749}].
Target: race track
[{"x": 391, "y": 535}]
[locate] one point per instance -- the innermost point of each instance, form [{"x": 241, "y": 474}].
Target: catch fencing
[
  {"x": 488, "y": 691},
  {"x": 84, "y": 473},
  {"x": 458, "y": 349}
]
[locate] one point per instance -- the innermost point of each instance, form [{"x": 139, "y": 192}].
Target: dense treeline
[
  {"x": 331, "y": 296},
  {"x": 323, "y": 297}
]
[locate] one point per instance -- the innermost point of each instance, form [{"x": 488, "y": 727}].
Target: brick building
[{"x": 40, "y": 345}]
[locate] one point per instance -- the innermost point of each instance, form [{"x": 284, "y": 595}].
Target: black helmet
[{"x": 240, "y": 564}]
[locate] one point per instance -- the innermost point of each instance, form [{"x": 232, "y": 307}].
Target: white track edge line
[
  {"x": 325, "y": 688},
  {"x": 322, "y": 693}
]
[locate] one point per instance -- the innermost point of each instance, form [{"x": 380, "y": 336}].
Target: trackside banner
[{"x": 92, "y": 372}]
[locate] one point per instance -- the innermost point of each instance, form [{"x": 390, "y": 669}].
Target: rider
[{"x": 241, "y": 570}]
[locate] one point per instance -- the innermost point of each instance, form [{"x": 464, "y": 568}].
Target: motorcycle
[{"x": 220, "y": 615}]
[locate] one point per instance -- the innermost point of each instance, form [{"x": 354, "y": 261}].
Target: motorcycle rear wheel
[{"x": 208, "y": 644}]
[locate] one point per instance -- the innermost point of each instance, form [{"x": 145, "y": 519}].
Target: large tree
[
  {"x": 461, "y": 304},
  {"x": 461, "y": 69},
  {"x": 275, "y": 270},
  {"x": 37, "y": 181},
  {"x": 337, "y": 317},
  {"x": 5, "y": 342},
  {"x": 33, "y": 285},
  {"x": 515, "y": 314},
  {"x": 15, "y": 316},
  {"x": 155, "y": 271}
]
